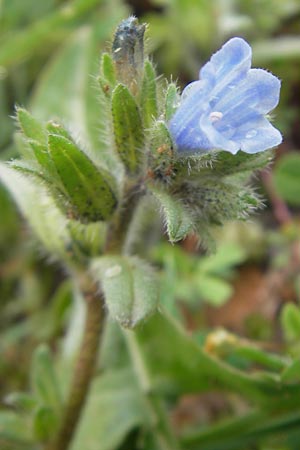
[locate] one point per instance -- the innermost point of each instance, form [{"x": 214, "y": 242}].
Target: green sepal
[
  {"x": 161, "y": 144},
  {"x": 53, "y": 127},
  {"x": 31, "y": 127},
  {"x": 43, "y": 157},
  {"x": 88, "y": 188},
  {"x": 171, "y": 100},
  {"x": 107, "y": 78},
  {"x": 148, "y": 95},
  {"x": 161, "y": 157},
  {"x": 130, "y": 288},
  {"x": 178, "y": 221},
  {"x": 128, "y": 129}
]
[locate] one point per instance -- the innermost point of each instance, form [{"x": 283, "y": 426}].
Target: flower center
[{"x": 215, "y": 116}]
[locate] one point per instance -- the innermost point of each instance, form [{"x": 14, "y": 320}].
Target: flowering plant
[
  {"x": 102, "y": 198},
  {"x": 226, "y": 108}
]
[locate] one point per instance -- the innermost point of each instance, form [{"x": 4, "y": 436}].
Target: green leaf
[
  {"x": 35, "y": 203},
  {"x": 286, "y": 178},
  {"x": 128, "y": 129},
  {"x": 114, "y": 407},
  {"x": 44, "y": 423},
  {"x": 178, "y": 221},
  {"x": 31, "y": 127},
  {"x": 171, "y": 101},
  {"x": 290, "y": 321},
  {"x": 43, "y": 380},
  {"x": 88, "y": 188},
  {"x": 182, "y": 366},
  {"x": 129, "y": 286},
  {"x": 148, "y": 95}
]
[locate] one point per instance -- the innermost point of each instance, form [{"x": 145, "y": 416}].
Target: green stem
[
  {"x": 84, "y": 367},
  {"x": 160, "y": 422}
]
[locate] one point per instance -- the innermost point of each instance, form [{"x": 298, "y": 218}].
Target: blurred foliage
[{"x": 49, "y": 58}]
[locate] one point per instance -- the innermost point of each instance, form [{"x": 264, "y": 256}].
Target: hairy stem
[
  {"x": 84, "y": 367},
  {"x": 95, "y": 317}
]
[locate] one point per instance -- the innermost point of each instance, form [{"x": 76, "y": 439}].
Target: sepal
[
  {"x": 177, "y": 220},
  {"x": 128, "y": 129},
  {"x": 148, "y": 95},
  {"x": 108, "y": 76},
  {"x": 172, "y": 101}
]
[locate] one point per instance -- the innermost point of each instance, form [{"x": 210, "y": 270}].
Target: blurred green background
[{"x": 49, "y": 56}]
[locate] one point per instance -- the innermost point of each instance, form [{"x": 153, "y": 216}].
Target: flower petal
[
  {"x": 184, "y": 125},
  {"x": 229, "y": 65},
  {"x": 216, "y": 139},
  {"x": 259, "y": 91},
  {"x": 257, "y": 135}
]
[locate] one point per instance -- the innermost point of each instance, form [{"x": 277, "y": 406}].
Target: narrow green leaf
[
  {"x": 148, "y": 95},
  {"x": 171, "y": 101},
  {"x": 31, "y": 127},
  {"x": 128, "y": 129},
  {"x": 177, "y": 220},
  {"x": 89, "y": 188},
  {"x": 43, "y": 379},
  {"x": 129, "y": 286}
]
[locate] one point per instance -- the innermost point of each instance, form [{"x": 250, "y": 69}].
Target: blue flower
[{"x": 226, "y": 109}]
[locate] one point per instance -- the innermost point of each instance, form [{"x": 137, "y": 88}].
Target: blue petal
[
  {"x": 259, "y": 91},
  {"x": 229, "y": 65},
  {"x": 257, "y": 135},
  {"x": 184, "y": 125},
  {"x": 216, "y": 139}
]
